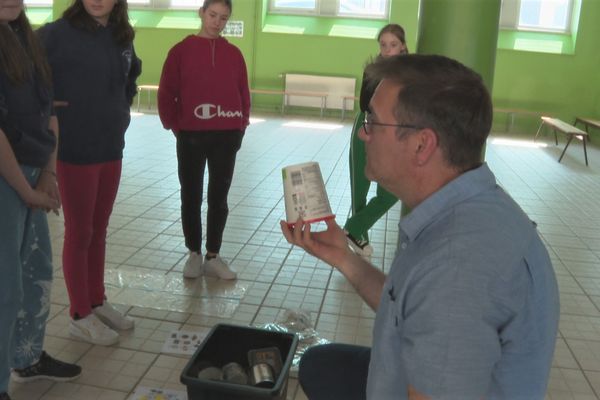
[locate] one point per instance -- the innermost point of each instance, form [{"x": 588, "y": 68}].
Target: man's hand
[
  {"x": 47, "y": 184},
  {"x": 329, "y": 245}
]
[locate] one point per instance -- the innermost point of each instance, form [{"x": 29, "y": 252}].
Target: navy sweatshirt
[
  {"x": 24, "y": 117},
  {"x": 96, "y": 76}
]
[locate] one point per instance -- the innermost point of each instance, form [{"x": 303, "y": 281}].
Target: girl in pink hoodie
[{"x": 204, "y": 99}]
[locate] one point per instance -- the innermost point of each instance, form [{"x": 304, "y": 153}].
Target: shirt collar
[{"x": 456, "y": 191}]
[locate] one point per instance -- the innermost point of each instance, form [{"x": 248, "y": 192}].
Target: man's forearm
[{"x": 365, "y": 278}]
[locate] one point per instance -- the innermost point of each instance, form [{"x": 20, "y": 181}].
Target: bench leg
[
  {"x": 284, "y": 103},
  {"x": 512, "y": 122},
  {"x": 588, "y": 131},
  {"x": 139, "y": 94},
  {"x": 538, "y": 131},
  {"x": 583, "y": 138},
  {"x": 566, "y": 146}
]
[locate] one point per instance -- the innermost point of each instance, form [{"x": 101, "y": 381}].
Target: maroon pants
[{"x": 88, "y": 193}]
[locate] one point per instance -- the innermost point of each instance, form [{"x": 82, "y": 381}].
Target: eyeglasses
[{"x": 368, "y": 124}]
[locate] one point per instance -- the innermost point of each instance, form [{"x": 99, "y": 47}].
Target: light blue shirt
[{"x": 470, "y": 307}]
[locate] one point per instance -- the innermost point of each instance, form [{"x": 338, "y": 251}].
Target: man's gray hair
[{"x": 442, "y": 94}]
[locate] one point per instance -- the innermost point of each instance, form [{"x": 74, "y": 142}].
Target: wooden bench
[
  {"x": 322, "y": 95},
  {"x": 587, "y": 122},
  {"x": 571, "y": 131},
  {"x": 269, "y": 91},
  {"x": 147, "y": 89},
  {"x": 344, "y": 100},
  {"x": 287, "y": 93},
  {"x": 512, "y": 112}
]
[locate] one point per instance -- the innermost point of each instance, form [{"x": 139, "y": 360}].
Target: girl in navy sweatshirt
[
  {"x": 94, "y": 68},
  {"x": 27, "y": 189},
  {"x": 204, "y": 99}
]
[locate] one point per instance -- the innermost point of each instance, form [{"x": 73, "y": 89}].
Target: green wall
[
  {"x": 274, "y": 44},
  {"x": 564, "y": 85}
]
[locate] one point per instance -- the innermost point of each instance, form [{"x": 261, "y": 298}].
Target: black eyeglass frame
[{"x": 366, "y": 122}]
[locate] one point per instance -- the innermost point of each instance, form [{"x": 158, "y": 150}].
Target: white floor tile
[{"x": 146, "y": 253}]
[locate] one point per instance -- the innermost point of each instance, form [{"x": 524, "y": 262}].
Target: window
[
  {"x": 335, "y": 8},
  {"x": 363, "y": 8},
  {"x": 291, "y": 5},
  {"x": 38, "y": 3},
  {"x": 166, "y": 4},
  {"x": 133, "y": 3},
  {"x": 537, "y": 15},
  {"x": 195, "y": 4}
]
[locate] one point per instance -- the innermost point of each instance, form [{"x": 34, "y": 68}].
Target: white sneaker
[
  {"x": 92, "y": 330},
  {"x": 193, "y": 265},
  {"x": 113, "y": 317},
  {"x": 218, "y": 268}
]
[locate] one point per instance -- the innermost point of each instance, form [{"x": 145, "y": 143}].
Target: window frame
[
  {"x": 326, "y": 8},
  {"x": 45, "y": 4},
  {"x": 510, "y": 15},
  {"x": 161, "y": 5}
]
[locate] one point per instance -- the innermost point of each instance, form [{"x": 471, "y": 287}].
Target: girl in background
[
  {"x": 392, "y": 42},
  {"x": 204, "y": 99},
  {"x": 94, "y": 68},
  {"x": 27, "y": 189}
]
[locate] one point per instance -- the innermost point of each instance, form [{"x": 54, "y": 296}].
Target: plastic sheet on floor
[
  {"x": 298, "y": 322},
  {"x": 173, "y": 293}
]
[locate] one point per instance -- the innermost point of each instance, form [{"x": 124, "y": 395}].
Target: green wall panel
[{"x": 564, "y": 85}]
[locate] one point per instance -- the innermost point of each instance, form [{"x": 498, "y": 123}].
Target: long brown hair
[
  {"x": 14, "y": 58},
  {"x": 119, "y": 18}
]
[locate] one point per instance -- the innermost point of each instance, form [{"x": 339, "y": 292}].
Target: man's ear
[{"x": 426, "y": 144}]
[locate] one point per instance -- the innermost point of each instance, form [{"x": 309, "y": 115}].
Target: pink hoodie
[{"x": 204, "y": 86}]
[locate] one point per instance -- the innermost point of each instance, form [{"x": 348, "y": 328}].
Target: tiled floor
[{"x": 146, "y": 256}]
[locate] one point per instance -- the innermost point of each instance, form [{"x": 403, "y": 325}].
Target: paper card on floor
[
  {"x": 182, "y": 342},
  {"x": 146, "y": 393}
]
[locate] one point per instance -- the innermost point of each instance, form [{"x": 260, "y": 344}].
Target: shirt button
[{"x": 403, "y": 245}]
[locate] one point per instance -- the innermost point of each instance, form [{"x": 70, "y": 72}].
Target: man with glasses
[{"x": 469, "y": 309}]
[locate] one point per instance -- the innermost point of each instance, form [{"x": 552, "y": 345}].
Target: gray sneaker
[{"x": 46, "y": 368}]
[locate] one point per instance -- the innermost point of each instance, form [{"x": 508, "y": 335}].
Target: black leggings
[
  {"x": 194, "y": 151},
  {"x": 335, "y": 372}
]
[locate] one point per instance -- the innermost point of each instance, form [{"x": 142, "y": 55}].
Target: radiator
[{"x": 335, "y": 87}]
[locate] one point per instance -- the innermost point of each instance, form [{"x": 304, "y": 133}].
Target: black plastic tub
[{"x": 230, "y": 343}]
